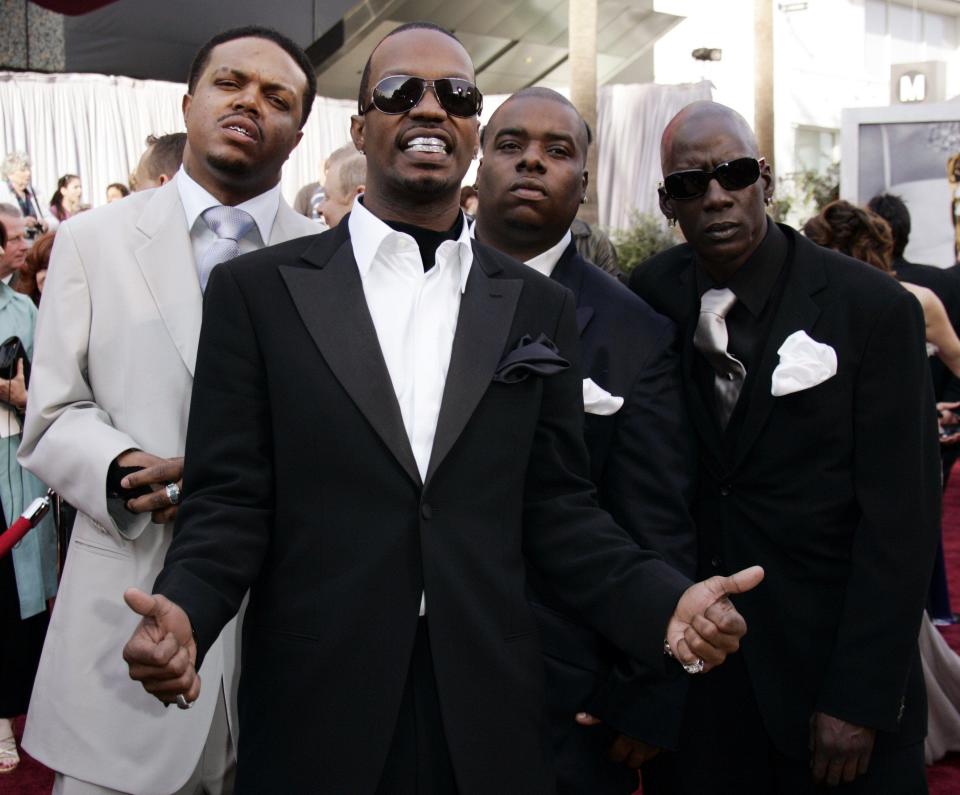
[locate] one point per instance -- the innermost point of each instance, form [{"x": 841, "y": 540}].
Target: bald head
[
  {"x": 699, "y": 120},
  {"x": 539, "y": 92}
]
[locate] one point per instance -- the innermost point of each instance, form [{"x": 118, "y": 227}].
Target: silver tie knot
[{"x": 229, "y": 224}]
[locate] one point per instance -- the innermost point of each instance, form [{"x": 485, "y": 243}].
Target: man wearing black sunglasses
[
  {"x": 806, "y": 383},
  {"x": 385, "y": 428}
]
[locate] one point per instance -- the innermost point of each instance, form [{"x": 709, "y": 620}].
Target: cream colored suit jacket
[{"x": 113, "y": 367}]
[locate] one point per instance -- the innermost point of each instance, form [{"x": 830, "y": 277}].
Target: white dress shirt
[
  {"x": 415, "y": 317},
  {"x": 195, "y": 199},
  {"x": 546, "y": 261}
]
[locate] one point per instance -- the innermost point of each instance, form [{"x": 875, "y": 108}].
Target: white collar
[
  {"x": 195, "y": 199},
  {"x": 368, "y": 233},
  {"x": 547, "y": 260}
]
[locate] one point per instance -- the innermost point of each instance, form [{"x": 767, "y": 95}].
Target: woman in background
[
  {"x": 117, "y": 191},
  {"x": 66, "y": 198},
  {"x": 33, "y": 274},
  {"x": 28, "y": 574}
]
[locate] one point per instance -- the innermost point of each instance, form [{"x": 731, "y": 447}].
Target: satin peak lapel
[
  {"x": 166, "y": 261},
  {"x": 332, "y": 306},
  {"x": 486, "y": 315}
]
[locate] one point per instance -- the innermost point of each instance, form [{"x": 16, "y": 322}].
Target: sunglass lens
[
  {"x": 397, "y": 94},
  {"x": 686, "y": 184},
  {"x": 738, "y": 174},
  {"x": 458, "y": 97}
]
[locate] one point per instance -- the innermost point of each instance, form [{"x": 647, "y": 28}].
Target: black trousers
[
  {"x": 418, "y": 762},
  {"x": 725, "y": 750}
]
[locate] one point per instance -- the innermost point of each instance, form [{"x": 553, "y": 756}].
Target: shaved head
[{"x": 701, "y": 113}]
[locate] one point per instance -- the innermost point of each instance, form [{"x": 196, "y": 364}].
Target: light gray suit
[{"x": 115, "y": 350}]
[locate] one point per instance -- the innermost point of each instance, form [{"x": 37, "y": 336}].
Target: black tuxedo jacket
[
  {"x": 301, "y": 484},
  {"x": 834, "y": 490},
  {"x": 641, "y": 461}
]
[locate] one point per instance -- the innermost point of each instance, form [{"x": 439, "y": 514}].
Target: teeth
[
  {"x": 239, "y": 130},
  {"x": 427, "y": 144}
]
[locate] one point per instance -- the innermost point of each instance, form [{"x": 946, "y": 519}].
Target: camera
[{"x": 32, "y": 231}]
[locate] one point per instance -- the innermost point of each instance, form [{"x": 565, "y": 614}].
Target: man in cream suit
[{"x": 110, "y": 390}]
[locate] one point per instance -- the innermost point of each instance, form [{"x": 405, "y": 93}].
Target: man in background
[
  {"x": 160, "y": 161},
  {"x": 531, "y": 181},
  {"x": 15, "y": 251},
  {"x": 346, "y": 179}
]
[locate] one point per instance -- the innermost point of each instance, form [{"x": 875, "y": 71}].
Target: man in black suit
[
  {"x": 531, "y": 182},
  {"x": 833, "y": 485},
  {"x": 383, "y": 431}
]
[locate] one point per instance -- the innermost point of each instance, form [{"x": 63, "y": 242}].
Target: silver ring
[
  {"x": 694, "y": 667},
  {"x": 173, "y": 493},
  {"x": 182, "y": 702}
]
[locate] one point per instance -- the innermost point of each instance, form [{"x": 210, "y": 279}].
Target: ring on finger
[
  {"x": 173, "y": 493},
  {"x": 182, "y": 702},
  {"x": 694, "y": 667}
]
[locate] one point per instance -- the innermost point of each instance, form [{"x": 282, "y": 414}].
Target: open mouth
[
  {"x": 242, "y": 127},
  {"x": 428, "y": 144}
]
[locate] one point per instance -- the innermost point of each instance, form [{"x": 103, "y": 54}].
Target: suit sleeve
[
  {"x": 896, "y": 471},
  {"x": 628, "y": 594},
  {"x": 224, "y": 523},
  {"x": 646, "y": 486},
  {"x": 69, "y": 440}
]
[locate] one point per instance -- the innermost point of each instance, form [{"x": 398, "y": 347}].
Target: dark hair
[
  {"x": 3, "y": 235},
  {"x": 166, "y": 154},
  {"x": 56, "y": 201},
  {"x": 540, "y": 92},
  {"x": 258, "y": 32},
  {"x": 365, "y": 76},
  {"x": 892, "y": 210},
  {"x": 38, "y": 259},
  {"x": 123, "y": 189},
  {"x": 853, "y": 231}
]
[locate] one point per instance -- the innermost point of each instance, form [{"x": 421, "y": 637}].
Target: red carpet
[{"x": 31, "y": 778}]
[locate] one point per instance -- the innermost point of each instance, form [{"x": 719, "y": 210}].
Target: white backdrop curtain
[
  {"x": 630, "y": 121},
  {"x": 95, "y": 126}
]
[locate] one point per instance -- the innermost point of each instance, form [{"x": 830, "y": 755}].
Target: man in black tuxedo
[
  {"x": 531, "y": 181},
  {"x": 384, "y": 431},
  {"x": 833, "y": 486}
]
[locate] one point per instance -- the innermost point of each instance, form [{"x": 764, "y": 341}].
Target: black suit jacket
[
  {"x": 641, "y": 461},
  {"x": 301, "y": 484},
  {"x": 834, "y": 490}
]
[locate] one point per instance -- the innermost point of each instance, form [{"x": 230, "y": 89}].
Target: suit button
[
  {"x": 725, "y": 490},
  {"x": 426, "y": 511}
]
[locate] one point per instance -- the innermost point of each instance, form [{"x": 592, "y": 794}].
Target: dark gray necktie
[
  {"x": 711, "y": 340},
  {"x": 229, "y": 224}
]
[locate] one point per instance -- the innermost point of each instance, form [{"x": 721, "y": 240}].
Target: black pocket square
[{"x": 530, "y": 357}]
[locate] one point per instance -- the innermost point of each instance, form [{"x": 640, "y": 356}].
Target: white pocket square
[
  {"x": 804, "y": 363},
  {"x": 596, "y": 399}
]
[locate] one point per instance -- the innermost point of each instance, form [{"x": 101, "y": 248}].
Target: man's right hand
[
  {"x": 161, "y": 653},
  {"x": 156, "y": 473}
]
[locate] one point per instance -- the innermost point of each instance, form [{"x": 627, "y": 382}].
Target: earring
[
  {"x": 583, "y": 199},
  {"x": 768, "y": 201},
  {"x": 671, "y": 221}
]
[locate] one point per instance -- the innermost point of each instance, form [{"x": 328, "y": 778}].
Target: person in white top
[{"x": 109, "y": 396}]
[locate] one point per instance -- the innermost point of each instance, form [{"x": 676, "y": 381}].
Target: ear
[
  {"x": 357, "y": 124},
  {"x": 586, "y": 181},
  {"x": 666, "y": 205},
  {"x": 766, "y": 174},
  {"x": 185, "y": 105},
  {"x": 163, "y": 179},
  {"x": 360, "y": 189}
]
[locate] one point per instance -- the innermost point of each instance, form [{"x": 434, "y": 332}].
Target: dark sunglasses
[
  {"x": 402, "y": 93},
  {"x": 732, "y": 175}
]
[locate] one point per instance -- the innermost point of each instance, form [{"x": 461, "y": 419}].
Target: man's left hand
[
  {"x": 706, "y": 625},
  {"x": 839, "y": 751},
  {"x": 631, "y": 752}
]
